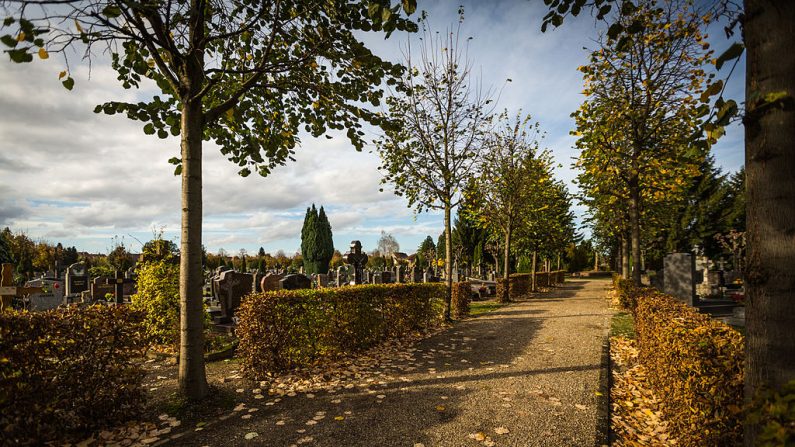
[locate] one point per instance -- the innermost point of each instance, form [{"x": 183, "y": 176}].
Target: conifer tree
[{"x": 325, "y": 242}]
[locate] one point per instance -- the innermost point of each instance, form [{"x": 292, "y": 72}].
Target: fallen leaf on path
[
  {"x": 251, "y": 435},
  {"x": 440, "y": 408},
  {"x": 501, "y": 431}
]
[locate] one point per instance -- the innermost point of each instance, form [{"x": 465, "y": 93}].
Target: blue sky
[{"x": 68, "y": 175}]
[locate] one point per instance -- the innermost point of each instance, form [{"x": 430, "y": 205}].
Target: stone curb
[{"x": 603, "y": 400}]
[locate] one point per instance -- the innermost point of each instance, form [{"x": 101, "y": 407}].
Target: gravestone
[
  {"x": 378, "y": 278},
  {"x": 295, "y": 282},
  {"x": 678, "y": 278},
  {"x": 358, "y": 260},
  {"x": 257, "y": 286},
  {"x": 399, "y": 274},
  {"x": 342, "y": 276},
  {"x": 49, "y": 297},
  {"x": 102, "y": 286},
  {"x": 322, "y": 280},
  {"x": 118, "y": 287},
  {"x": 270, "y": 282},
  {"x": 427, "y": 276},
  {"x": 232, "y": 287},
  {"x": 76, "y": 279},
  {"x": 367, "y": 276},
  {"x": 416, "y": 274},
  {"x": 386, "y": 277}
]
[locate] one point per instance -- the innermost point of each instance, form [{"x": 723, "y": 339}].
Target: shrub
[
  {"x": 462, "y": 296},
  {"x": 158, "y": 298},
  {"x": 285, "y": 329},
  {"x": 627, "y": 293},
  {"x": 68, "y": 371},
  {"x": 774, "y": 413},
  {"x": 695, "y": 366},
  {"x": 520, "y": 284}
]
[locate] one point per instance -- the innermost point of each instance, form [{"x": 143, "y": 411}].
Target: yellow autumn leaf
[
  {"x": 62, "y": 74},
  {"x": 440, "y": 408},
  {"x": 21, "y": 36},
  {"x": 43, "y": 54},
  {"x": 79, "y": 28}
]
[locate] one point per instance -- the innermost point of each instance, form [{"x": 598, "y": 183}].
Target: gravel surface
[{"x": 524, "y": 375}]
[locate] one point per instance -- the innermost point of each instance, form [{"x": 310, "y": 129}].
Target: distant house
[{"x": 403, "y": 258}]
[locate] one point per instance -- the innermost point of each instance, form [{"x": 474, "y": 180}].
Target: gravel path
[{"x": 524, "y": 375}]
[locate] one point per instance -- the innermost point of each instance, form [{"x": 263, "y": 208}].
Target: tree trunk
[
  {"x": 533, "y": 284},
  {"x": 769, "y": 159},
  {"x": 506, "y": 264},
  {"x": 448, "y": 262},
  {"x": 624, "y": 256},
  {"x": 192, "y": 379},
  {"x": 634, "y": 229}
]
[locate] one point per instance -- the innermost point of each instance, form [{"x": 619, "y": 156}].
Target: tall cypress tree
[
  {"x": 325, "y": 242},
  {"x": 309, "y": 249}
]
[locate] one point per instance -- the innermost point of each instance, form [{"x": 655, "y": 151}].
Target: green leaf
[
  {"x": 9, "y": 41},
  {"x": 178, "y": 170},
  {"x": 373, "y": 10},
  {"x": 727, "y": 112},
  {"x": 8, "y": 21},
  {"x": 614, "y": 30},
  {"x": 68, "y": 83},
  {"x": 149, "y": 129},
  {"x": 162, "y": 134},
  {"x": 409, "y": 6},
  {"x": 111, "y": 11},
  {"x": 733, "y": 52},
  {"x": 20, "y": 56}
]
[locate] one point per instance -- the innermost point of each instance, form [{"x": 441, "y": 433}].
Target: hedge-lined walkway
[{"x": 524, "y": 375}]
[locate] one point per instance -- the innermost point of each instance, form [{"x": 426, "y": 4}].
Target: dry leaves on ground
[{"x": 636, "y": 414}]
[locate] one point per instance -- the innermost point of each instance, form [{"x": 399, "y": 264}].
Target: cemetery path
[{"x": 527, "y": 374}]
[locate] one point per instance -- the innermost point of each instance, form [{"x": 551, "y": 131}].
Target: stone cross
[{"x": 358, "y": 260}]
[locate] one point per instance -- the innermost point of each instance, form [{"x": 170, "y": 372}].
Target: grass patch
[
  {"x": 622, "y": 325},
  {"x": 482, "y": 307}
]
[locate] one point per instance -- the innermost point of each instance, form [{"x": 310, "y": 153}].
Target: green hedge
[
  {"x": 461, "y": 297},
  {"x": 284, "y": 329},
  {"x": 695, "y": 366},
  {"x": 68, "y": 371}
]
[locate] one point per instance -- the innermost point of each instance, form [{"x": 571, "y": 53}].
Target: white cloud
[{"x": 67, "y": 173}]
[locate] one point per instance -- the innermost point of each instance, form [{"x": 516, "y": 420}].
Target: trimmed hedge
[
  {"x": 627, "y": 293},
  {"x": 522, "y": 283},
  {"x": 284, "y": 329},
  {"x": 695, "y": 365},
  {"x": 461, "y": 297},
  {"x": 66, "y": 372}
]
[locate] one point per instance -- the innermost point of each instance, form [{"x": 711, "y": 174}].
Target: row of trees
[
  {"x": 769, "y": 120},
  {"x": 443, "y": 147}
]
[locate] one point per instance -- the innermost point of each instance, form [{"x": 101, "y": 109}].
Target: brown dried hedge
[
  {"x": 66, "y": 372},
  {"x": 695, "y": 365},
  {"x": 285, "y": 329},
  {"x": 462, "y": 296},
  {"x": 627, "y": 293},
  {"x": 522, "y": 283}
]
